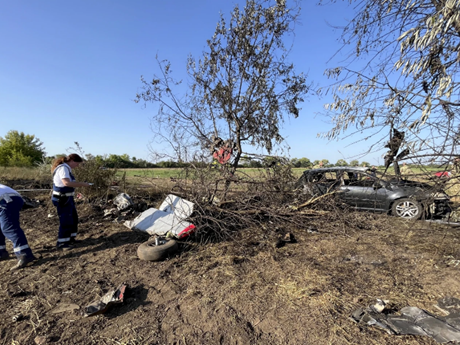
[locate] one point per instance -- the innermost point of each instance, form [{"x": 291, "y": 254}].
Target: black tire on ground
[
  {"x": 407, "y": 208},
  {"x": 149, "y": 251}
]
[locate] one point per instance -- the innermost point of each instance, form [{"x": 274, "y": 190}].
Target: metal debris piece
[
  {"x": 380, "y": 305},
  {"x": 17, "y": 317},
  {"x": 29, "y": 203},
  {"x": 102, "y": 305},
  {"x": 110, "y": 212},
  {"x": 413, "y": 321},
  {"x": 123, "y": 201}
]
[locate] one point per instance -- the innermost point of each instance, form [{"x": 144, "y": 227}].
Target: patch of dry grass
[{"x": 18, "y": 173}]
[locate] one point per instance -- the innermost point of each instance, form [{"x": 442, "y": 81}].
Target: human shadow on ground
[{"x": 93, "y": 245}]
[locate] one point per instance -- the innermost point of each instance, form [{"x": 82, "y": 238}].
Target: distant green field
[
  {"x": 34, "y": 173},
  {"x": 152, "y": 173},
  {"x": 175, "y": 172}
]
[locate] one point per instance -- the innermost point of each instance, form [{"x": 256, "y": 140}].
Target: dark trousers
[
  {"x": 11, "y": 229},
  {"x": 68, "y": 219}
]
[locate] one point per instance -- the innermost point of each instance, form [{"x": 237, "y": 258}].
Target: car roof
[{"x": 350, "y": 169}]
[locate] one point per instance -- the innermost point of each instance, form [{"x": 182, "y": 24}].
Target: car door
[
  {"x": 365, "y": 192},
  {"x": 348, "y": 191}
]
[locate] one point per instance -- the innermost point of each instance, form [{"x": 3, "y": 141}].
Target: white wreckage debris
[{"x": 170, "y": 218}]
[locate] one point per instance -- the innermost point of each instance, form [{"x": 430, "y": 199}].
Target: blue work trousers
[
  {"x": 11, "y": 229},
  {"x": 68, "y": 219}
]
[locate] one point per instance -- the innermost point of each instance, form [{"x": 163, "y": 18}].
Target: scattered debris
[
  {"x": 287, "y": 238},
  {"x": 452, "y": 261},
  {"x": 17, "y": 317},
  {"x": 119, "y": 219},
  {"x": 415, "y": 321},
  {"x": 110, "y": 212},
  {"x": 223, "y": 154},
  {"x": 169, "y": 218},
  {"x": 380, "y": 305},
  {"x": 312, "y": 230},
  {"x": 29, "y": 203},
  {"x": 102, "y": 305},
  {"x": 222, "y": 150},
  {"x": 450, "y": 303},
  {"x": 123, "y": 201},
  {"x": 443, "y": 174},
  {"x": 451, "y": 307}
]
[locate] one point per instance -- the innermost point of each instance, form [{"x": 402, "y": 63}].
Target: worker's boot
[{"x": 23, "y": 261}]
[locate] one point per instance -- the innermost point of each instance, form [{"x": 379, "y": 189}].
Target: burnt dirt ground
[{"x": 245, "y": 290}]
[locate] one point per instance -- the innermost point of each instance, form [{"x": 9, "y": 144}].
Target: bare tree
[
  {"x": 407, "y": 54},
  {"x": 240, "y": 90}
]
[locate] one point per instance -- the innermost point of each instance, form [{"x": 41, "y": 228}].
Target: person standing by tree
[
  {"x": 319, "y": 165},
  {"x": 406, "y": 170},
  {"x": 10, "y": 204},
  {"x": 63, "y": 198},
  {"x": 373, "y": 171},
  {"x": 455, "y": 169}
]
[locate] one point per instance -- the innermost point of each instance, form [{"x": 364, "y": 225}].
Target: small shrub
[
  {"x": 92, "y": 171},
  {"x": 43, "y": 172}
]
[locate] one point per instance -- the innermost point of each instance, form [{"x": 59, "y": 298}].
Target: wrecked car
[{"x": 364, "y": 189}]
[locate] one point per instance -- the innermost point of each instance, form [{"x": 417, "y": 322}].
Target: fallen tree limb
[
  {"x": 313, "y": 200},
  {"x": 314, "y": 212}
]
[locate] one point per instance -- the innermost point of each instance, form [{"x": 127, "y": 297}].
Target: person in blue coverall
[
  {"x": 10, "y": 204},
  {"x": 63, "y": 198}
]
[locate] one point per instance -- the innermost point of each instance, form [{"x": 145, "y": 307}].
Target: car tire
[
  {"x": 407, "y": 208},
  {"x": 150, "y": 251}
]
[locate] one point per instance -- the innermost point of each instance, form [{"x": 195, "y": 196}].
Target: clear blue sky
[{"x": 69, "y": 71}]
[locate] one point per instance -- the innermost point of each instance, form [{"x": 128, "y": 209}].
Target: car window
[
  {"x": 343, "y": 178},
  {"x": 319, "y": 177},
  {"x": 331, "y": 176},
  {"x": 326, "y": 177},
  {"x": 362, "y": 180}
]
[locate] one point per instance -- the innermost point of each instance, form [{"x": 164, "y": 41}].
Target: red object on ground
[
  {"x": 442, "y": 174},
  {"x": 187, "y": 231}
]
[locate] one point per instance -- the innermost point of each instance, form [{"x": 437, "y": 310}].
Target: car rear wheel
[{"x": 407, "y": 209}]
